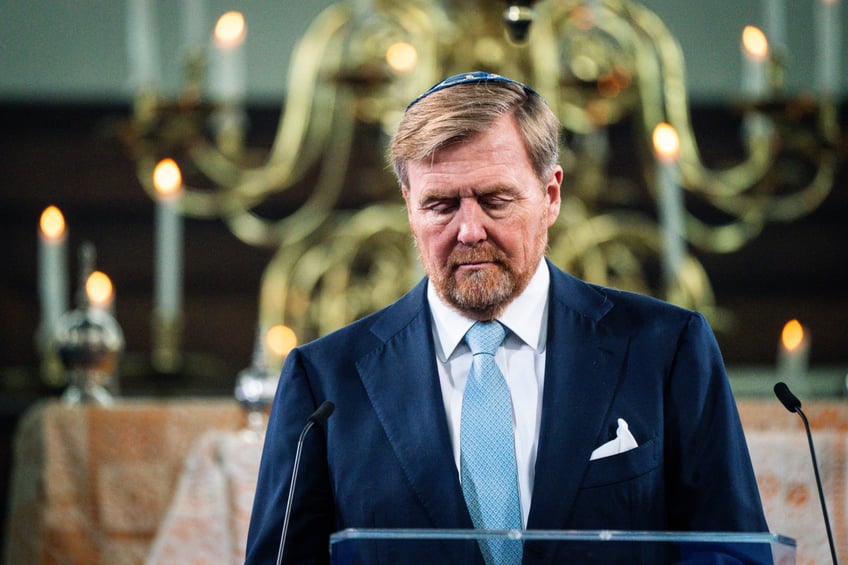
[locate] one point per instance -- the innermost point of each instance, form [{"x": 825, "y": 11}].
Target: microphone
[
  {"x": 791, "y": 403},
  {"x": 318, "y": 418},
  {"x": 789, "y": 400}
]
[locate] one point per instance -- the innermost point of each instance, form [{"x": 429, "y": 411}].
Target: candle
[
  {"x": 228, "y": 74},
  {"x": 52, "y": 268},
  {"x": 167, "y": 180},
  {"x": 142, "y": 44},
  {"x": 828, "y": 46},
  {"x": 670, "y": 202},
  {"x": 100, "y": 292},
  {"x": 402, "y": 56},
  {"x": 280, "y": 340},
  {"x": 793, "y": 353},
  {"x": 774, "y": 18},
  {"x": 755, "y": 49}
]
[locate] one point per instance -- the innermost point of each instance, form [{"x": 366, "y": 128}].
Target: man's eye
[
  {"x": 495, "y": 203},
  {"x": 442, "y": 206}
]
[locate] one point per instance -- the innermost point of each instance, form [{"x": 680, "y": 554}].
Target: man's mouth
[
  {"x": 477, "y": 258},
  {"x": 472, "y": 267}
]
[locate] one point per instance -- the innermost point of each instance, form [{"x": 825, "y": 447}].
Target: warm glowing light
[
  {"x": 584, "y": 68},
  {"x": 666, "y": 142},
  {"x": 793, "y": 335},
  {"x": 98, "y": 288},
  {"x": 280, "y": 340},
  {"x": 755, "y": 43},
  {"x": 52, "y": 223},
  {"x": 402, "y": 56},
  {"x": 167, "y": 178},
  {"x": 231, "y": 30}
]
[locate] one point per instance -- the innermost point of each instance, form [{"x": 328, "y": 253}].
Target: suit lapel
[
  {"x": 582, "y": 369},
  {"x": 401, "y": 380}
]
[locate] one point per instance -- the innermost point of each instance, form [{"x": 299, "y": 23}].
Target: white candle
[
  {"x": 228, "y": 72},
  {"x": 142, "y": 44},
  {"x": 670, "y": 201},
  {"x": 168, "y": 241},
  {"x": 100, "y": 291},
  {"x": 755, "y": 49},
  {"x": 793, "y": 353},
  {"x": 828, "y": 46},
  {"x": 774, "y": 22},
  {"x": 52, "y": 267}
]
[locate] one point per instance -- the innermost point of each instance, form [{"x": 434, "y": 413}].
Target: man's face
[{"x": 480, "y": 218}]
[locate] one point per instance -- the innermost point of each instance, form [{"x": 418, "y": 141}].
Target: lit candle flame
[
  {"x": 280, "y": 340},
  {"x": 167, "y": 178},
  {"x": 666, "y": 143},
  {"x": 98, "y": 288},
  {"x": 402, "y": 56},
  {"x": 231, "y": 30},
  {"x": 52, "y": 223},
  {"x": 755, "y": 43},
  {"x": 792, "y": 336}
]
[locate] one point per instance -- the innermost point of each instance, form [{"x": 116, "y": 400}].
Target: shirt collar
[{"x": 525, "y": 316}]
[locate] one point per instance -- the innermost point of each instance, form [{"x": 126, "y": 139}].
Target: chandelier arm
[
  {"x": 330, "y": 272},
  {"x": 298, "y": 270},
  {"x": 255, "y": 230},
  {"x": 577, "y": 105},
  {"x": 275, "y": 288},
  {"x": 798, "y": 204},
  {"x": 581, "y": 243},
  {"x": 696, "y": 176},
  {"x": 427, "y": 25},
  {"x": 240, "y": 186},
  {"x": 726, "y": 185},
  {"x": 301, "y": 134},
  {"x": 725, "y": 238},
  {"x": 305, "y": 276},
  {"x": 545, "y": 57},
  {"x": 786, "y": 207},
  {"x": 304, "y": 75}
]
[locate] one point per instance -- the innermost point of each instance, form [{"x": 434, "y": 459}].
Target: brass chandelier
[{"x": 322, "y": 198}]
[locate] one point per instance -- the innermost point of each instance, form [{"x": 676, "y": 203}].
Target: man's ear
[
  {"x": 404, "y": 190},
  {"x": 553, "y": 192}
]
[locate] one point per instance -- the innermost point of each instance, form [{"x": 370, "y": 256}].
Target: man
[{"x": 619, "y": 408}]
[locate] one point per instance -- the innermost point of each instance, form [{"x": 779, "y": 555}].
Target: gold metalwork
[{"x": 344, "y": 250}]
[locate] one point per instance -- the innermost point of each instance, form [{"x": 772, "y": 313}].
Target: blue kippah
[{"x": 469, "y": 78}]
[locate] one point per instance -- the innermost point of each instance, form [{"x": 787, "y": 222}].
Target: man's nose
[{"x": 471, "y": 219}]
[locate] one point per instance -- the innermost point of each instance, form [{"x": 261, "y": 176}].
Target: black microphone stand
[
  {"x": 791, "y": 403},
  {"x": 317, "y": 418}
]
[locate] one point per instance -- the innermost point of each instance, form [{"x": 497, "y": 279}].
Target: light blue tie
[{"x": 488, "y": 469}]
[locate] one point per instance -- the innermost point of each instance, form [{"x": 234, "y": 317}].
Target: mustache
[{"x": 484, "y": 253}]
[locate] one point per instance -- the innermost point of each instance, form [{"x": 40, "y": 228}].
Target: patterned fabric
[
  {"x": 488, "y": 468},
  {"x": 91, "y": 484}
]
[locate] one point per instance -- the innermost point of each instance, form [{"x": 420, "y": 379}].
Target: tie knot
[{"x": 485, "y": 337}]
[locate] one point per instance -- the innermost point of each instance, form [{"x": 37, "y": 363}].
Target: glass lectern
[{"x": 397, "y": 546}]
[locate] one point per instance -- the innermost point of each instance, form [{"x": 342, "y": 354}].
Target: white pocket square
[{"x": 624, "y": 441}]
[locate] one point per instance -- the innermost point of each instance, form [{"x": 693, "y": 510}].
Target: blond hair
[{"x": 457, "y": 113}]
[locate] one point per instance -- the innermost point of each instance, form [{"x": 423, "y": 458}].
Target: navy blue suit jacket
[{"x": 384, "y": 459}]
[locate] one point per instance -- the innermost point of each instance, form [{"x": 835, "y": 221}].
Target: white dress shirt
[{"x": 521, "y": 359}]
